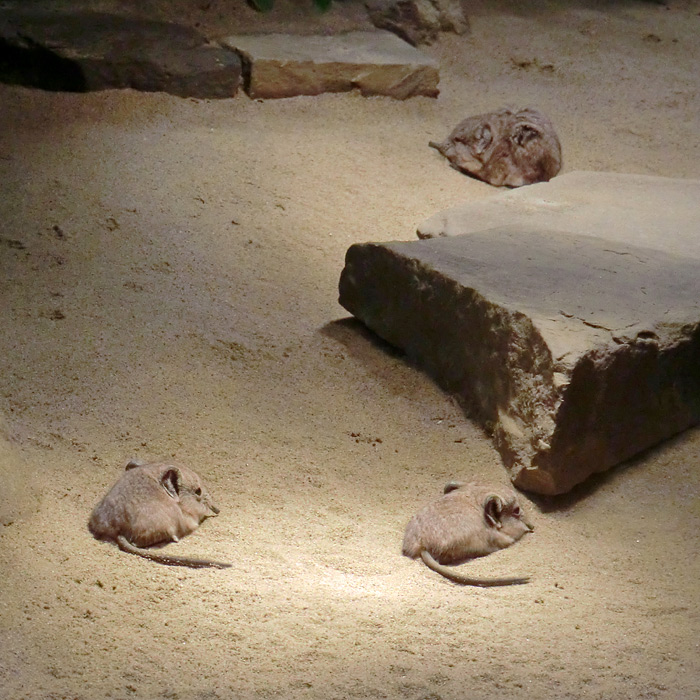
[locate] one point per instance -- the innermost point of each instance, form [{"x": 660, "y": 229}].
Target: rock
[
  {"x": 375, "y": 63},
  {"x": 418, "y": 21},
  {"x": 573, "y": 351},
  {"x": 84, "y": 51},
  {"x": 644, "y": 210}
]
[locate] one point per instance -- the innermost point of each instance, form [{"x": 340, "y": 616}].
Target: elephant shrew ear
[
  {"x": 170, "y": 480},
  {"x": 493, "y": 509}
]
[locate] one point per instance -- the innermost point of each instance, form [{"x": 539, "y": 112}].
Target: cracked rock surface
[{"x": 574, "y": 352}]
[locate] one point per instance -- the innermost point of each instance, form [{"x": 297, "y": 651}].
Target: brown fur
[
  {"x": 154, "y": 504},
  {"x": 468, "y": 521},
  {"x": 504, "y": 147}
]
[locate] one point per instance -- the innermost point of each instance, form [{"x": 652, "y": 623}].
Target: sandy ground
[{"x": 169, "y": 288}]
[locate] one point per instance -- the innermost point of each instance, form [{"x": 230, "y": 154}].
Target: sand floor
[{"x": 168, "y": 276}]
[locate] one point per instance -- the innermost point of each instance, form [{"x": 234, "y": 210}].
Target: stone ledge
[
  {"x": 575, "y": 352},
  {"x": 375, "y": 63}
]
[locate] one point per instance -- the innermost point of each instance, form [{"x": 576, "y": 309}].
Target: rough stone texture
[
  {"x": 418, "y": 21},
  {"x": 575, "y": 352},
  {"x": 85, "y": 51},
  {"x": 375, "y": 63},
  {"x": 653, "y": 212}
]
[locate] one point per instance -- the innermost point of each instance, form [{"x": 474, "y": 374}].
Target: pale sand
[{"x": 186, "y": 305}]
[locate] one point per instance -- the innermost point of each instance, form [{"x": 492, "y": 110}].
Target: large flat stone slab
[
  {"x": 653, "y": 212},
  {"x": 375, "y": 63},
  {"x": 574, "y": 351},
  {"x": 83, "y": 51}
]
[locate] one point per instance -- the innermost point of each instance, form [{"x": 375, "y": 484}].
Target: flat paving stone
[
  {"x": 82, "y": 51},
  {"x": 575, "y": 352},
  {"x": 644, "y": 210},
  {"x": 375, "y": 63}
]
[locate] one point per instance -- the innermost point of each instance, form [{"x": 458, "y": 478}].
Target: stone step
[
  {"x": 375, "y": 63},
  {"x": 575, "y": 352}
]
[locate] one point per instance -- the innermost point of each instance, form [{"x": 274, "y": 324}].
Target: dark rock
[
  {"x": 86, "y": 51},
  {"x": 418, "y": 21},
  {"x": 575, "y": 352}
]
